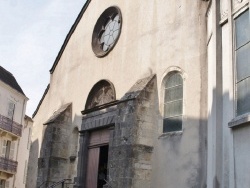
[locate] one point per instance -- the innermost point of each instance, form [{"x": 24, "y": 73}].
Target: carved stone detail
[
  {"x": 101, "y": 93},
  {"x": 237, "y": 3},
  {"x": 224, "y": 9}
]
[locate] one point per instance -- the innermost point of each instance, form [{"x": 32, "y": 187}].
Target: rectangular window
[
  {"x": 2, "y": 183},
  {"x": 29, "y": 137},
  {"x": 12, "y": 150},
  {"x": 8, "y": 148},
  {"x": 11, "y": 110},
  {"x": 7, "y": 153},
  {"x": 7, "y": 184},
  {"x": 242, "y": 52},
  {"x": 25, "y": 172}
]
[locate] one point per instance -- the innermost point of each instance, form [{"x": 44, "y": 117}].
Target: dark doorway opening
[{"x": 103, "y": 166}]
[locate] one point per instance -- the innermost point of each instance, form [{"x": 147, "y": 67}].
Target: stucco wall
[
  {"x": 8, "y": 94},
  {"x": 23, "y": 155},
  {"x": 235, "y": 160},
  {"x": 156, "y": 37}
]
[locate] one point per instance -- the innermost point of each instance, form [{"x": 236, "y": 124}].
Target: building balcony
[
  {"x": 10, "y": 126},
  {"x": 8, "y": 167}
]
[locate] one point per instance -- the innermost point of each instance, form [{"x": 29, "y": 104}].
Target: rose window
[
  {"x": 111, "y": 32},
  {"x": 106, "y": 31}
]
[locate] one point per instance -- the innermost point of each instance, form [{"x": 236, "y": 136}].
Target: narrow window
[
  {"x": 4, "y": 148},
  {"x": 25, "y": 172},
  {"x": 11, "y": 109},
  {"x": 12, "y": 150},
  {"x": 7, "y": 184},
  {"x": 8, "y": 148},
  {"x": 29, "y": 137},
  {"x": 173, "y": 103},
  {"x": 242, "y": 50},
  {"x": 7, "y": 151},
  {"x": 2, "y": 183}
]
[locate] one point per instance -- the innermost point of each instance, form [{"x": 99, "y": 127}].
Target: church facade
[{"x": 142, "y": 94}]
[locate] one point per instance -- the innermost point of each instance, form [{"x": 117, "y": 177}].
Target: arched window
[
  {"x": 173, "y": 103},
  {"x": 101, "y": 93}
]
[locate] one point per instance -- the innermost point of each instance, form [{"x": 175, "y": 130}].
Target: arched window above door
[{"x": 102, "y": 92}]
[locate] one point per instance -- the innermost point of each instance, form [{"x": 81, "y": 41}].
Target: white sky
[{"x": 31, "y": 35}]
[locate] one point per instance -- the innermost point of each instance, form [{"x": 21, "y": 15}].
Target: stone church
[{"x": 147, "y": 94}]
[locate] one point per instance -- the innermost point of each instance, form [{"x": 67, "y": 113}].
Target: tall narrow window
[
  {"x": 29, "y": 137},
  {"x": 4, "y": 148},
  {"x": 242, "y": 50},
  {"x": 11, "y": 109},
  {"x": 8, "y": 148},
  {"x": 173, "y": 103},
  {"x": 2, "y": 183},
  {"x": 25, "y": 172}
]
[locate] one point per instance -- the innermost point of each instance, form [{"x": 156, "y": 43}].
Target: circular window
[{"x": 107, "y": 31}]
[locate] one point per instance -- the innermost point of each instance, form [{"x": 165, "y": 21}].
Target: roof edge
[
  {"x": 71, "y": 31},
  {"x": 40, "y": 102}
]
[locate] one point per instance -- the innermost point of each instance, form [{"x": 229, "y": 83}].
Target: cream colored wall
[
  {"x": 7, "y": 93},
  {"x": 156, "y": 37},
  {"x": 149, "y": 42},
  {"x": 23, "y": 155}
]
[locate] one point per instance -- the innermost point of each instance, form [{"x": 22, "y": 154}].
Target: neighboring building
[
  {"x": 159, "y": 93},
  {"x": 12, "y": 110},
  {"x": 229, "y": 94},
  {"x": 23, "y": 153}
]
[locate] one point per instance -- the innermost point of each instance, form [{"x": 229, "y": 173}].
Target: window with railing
[
  {"x": 10, "y": 125},
  {"x": 8, "y": 165}
]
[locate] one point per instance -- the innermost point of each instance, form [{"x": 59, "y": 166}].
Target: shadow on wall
[
  {"x": 174, "y": 155},
  {"x": 200, "y": 153},
  {"x": 58, "y": 153},
  {"x": 180, "y": 158},
  {"x": 32, "y": 165}
]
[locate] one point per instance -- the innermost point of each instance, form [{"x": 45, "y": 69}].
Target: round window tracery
[{"x": 107, "y": 31}]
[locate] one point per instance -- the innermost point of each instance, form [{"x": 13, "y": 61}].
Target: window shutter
[
  {"x": 12, "y": 149},
  {"x": 1, "y": 146},
  {"x": 11, "y": 110},
  {"x": 29, "y": 137},
  {"x": 4, "y": 146},
  {"x": 7, "y": 184}
]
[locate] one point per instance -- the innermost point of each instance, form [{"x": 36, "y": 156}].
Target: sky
[{"x": 31, "y": 35}]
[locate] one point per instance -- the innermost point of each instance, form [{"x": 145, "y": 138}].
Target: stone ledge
[
  {"x": 168, "y": 134},
  {"x": 239, "y": 121}
]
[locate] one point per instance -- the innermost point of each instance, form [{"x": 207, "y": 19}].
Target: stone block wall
[
  {"x": 53, "y": 164},
  {"x": 122, "y": 139},
  {"x": 131, "y": 144},
  {"x": 146, "y": 123}
]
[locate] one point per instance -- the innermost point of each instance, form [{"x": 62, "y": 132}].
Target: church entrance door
[{"x": 97, "y": 159}]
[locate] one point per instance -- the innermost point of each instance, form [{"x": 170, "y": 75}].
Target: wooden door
[
  {"x": 97, "y": 139},
  {"x": 92, "y": 167}
]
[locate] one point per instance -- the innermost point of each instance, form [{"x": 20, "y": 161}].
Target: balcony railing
[
  {"x": 8, "y": 165},
  {"x": 10, "y": 126}
]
